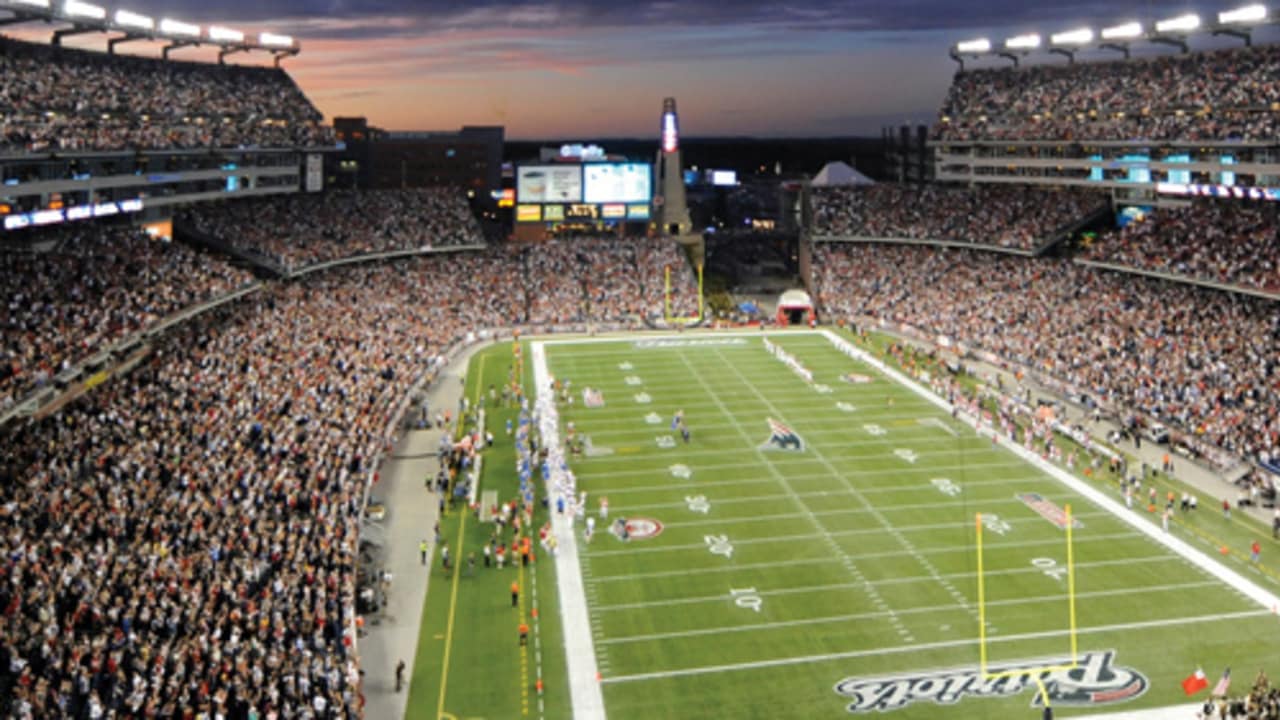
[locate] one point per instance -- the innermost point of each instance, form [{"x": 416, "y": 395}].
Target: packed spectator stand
[
  {"x": 93, "y": 286},
  {"x": 1011, "y": 217},
  {"x": 184, "y": 537},
  {"x": 1221, "y": 95},
  {"x": 57, "y": 99},
  {"x": 294, "y": 231},
  {"x": 1218, "y": 241},
  {"x": 1205, "y": 361}
]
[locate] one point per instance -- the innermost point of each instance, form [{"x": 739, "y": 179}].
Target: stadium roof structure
[
  {"x": 84, "y": 17},
  {"x": 839, "y": 174},
  {"x": 1174, "y": 31}
]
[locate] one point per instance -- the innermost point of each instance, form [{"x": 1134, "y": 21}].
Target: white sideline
[
  {"x": 585, "y": 693},
  {"x": 1247, "y": 587}
]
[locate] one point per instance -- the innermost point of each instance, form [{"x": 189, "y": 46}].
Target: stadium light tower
[
  {"x": 970, "y": 48},
  {"x": 1118, "y": 37},
  {"x": 1019, "y": 44},
  {"x": 672, "y": 207},
  {"x": 1174, "y": 31},
  {"x": 1241, "y": 21},
  {"x": 1066, "y": 43}
]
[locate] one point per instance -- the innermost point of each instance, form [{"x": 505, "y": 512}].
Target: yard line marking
[
  {"x": 680, "y": 485},
  {"x": 800, "y": 590},
  {"x": 789, "y": 563},
  {"x": 1011, "y": 500},
  {"x": 754, "y": 627},
  {"x": 906, "y": 649},
  {"x": 880, "y": 518},
  {"x": 661, "y": 463},
  {"x": 860, "y": 531},
  {"x": 628, "y": 417},
  {"x": 1032, "y": 520},
  {"x": 834, "y": 546},
  {"x": 940, "y": 424},
  {"x": 631, "y": 550},
  {"x": 916, "y": 435}
]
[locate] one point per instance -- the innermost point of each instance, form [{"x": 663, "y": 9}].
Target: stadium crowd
[
  {"x": 1232, "y": 243},
  {"x": 1212, "y": 95},
  {"x": 293, "y": 231},
  {"x": 603, "y": 279},
  {"x": 1201, "y": 360},
  {"x": 1262, "y": 702},
  {"x": 62, "y": 99},
  {"x": 182, "y": 541},
  {"x": 94, "y": 286},
  {"x": 1018, "y": 218}
]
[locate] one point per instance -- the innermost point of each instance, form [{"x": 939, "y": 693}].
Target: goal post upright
[
  {"x": 1071, "y": 589},
  {"x": 666, "y": 299},
  {"x": 1072, "y": 630}
]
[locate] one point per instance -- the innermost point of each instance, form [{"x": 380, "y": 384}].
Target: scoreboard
[{"x": 577, "y": 192}]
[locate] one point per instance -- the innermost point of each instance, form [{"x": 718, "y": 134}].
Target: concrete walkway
[
  {"x": 412, "y": 514},
  {"x": 1209, "y": 486}
]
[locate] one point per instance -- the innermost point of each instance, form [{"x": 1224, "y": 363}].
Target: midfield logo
[
  {"x": 782, "y": 437},
  {"x": 1094, "y": 682}
]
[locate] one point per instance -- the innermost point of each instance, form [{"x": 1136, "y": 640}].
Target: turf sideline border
[
  {"x": 585, "y": 693},
  {"x": 1233, "y": 579}
]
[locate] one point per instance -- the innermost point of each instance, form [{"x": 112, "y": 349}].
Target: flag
[
  {"x": 1220, "y": 690},
  {"x": 1195, "y": 682}
]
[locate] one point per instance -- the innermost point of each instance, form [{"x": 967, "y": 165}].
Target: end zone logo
[{"x": 1095, "y": 681}]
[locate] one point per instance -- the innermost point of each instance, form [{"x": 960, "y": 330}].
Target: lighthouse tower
[{"x": 672, "y": 209}]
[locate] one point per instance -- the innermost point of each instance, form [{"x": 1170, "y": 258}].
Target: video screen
[
  {"x": 549, "y": 184},
  {"x": 618, "y": 183}
]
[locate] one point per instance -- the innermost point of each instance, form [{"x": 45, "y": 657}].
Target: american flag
[
  {"x": 1223, "y": 685},
  {"x": 778, "y": 428}
]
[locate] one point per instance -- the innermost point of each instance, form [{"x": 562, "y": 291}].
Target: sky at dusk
[{"x": 600, "y": 68}]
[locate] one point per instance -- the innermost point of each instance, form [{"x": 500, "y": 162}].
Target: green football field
[{"x": 835, "y": 570}]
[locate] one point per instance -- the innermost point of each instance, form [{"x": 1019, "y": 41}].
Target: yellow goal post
[{"x": 1034, "y": 672}]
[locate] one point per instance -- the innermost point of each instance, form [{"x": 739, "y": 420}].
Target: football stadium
[{"x": 302, "y": 418}]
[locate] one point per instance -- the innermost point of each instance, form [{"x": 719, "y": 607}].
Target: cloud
[
  {"x": 377, "y": 18},
  {"x": 761, "y": 66}
]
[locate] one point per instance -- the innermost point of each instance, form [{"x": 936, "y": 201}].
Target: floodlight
[
  {"x": 1246, "y": 14},
  {"x": 1082, "y": 36},
  {"x": 1123, "y": 32},
  {"x": 76, "y": 8},
  {"x": 169, "y": 26},
  {"x": 226, "y": 34},
  {"x": 273, "y": 40},
  {"x": 1023, "y": 42},
  {"x": 1180, "y": 24},
  {"x": 42, "y": 4},
  {"x": 134, "y": 20},
  {"x": 981, "y": 45}
]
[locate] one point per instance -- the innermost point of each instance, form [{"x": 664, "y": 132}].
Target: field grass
[
  {"x": 798, "y": 583},
  {"x": 469, "y": 664}
]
